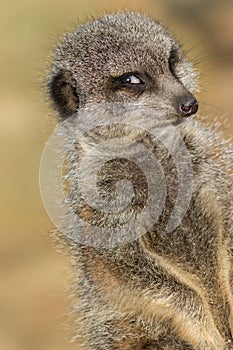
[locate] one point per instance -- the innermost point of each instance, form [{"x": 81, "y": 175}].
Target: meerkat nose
[{"x": 189, "y": 107}]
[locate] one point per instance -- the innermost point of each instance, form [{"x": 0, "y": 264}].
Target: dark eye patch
[
  {"x": 174, "y": 58},
  {"x": 136, "y": 82}
]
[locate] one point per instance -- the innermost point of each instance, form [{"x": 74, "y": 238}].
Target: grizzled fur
[
  {"x": 164, "y": 290},
  {"x": 110, "y": 47}
]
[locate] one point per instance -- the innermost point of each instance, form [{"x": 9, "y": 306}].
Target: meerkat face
[{"x": 123, "y": 57}]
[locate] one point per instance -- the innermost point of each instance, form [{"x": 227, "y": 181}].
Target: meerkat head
[{"x": 126, "y": 57}]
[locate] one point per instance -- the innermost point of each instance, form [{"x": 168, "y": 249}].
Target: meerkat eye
[{"x": 132, "y": 79}]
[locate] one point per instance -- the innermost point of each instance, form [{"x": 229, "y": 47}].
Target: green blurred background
[{"x": 32, "y": 274}]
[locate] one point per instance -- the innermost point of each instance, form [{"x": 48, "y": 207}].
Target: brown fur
[{"x": 164, "y": 290}]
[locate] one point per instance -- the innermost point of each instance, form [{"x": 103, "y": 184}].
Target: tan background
[{"x": 32, "y": 278}]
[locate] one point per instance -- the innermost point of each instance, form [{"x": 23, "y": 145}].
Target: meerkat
[{"x": 163, "y": 290}]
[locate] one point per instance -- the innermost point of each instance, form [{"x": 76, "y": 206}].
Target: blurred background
[{"x": 32, "y": 274}]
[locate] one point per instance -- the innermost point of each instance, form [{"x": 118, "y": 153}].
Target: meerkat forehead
[
  {"x": 115, "y": 43},
  {"x": 130, "y": 27}
]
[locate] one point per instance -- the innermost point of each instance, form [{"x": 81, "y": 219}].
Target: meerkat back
[{"x": 149, "y": 190}]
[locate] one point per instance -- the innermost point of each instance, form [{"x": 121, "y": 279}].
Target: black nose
[{"x": 188, "y": 107}]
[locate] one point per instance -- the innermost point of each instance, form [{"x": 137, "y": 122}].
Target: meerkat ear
[{"x": 63, "y": 91}]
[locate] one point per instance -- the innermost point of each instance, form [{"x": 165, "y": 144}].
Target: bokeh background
[{"x": 33, "y": 277}]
